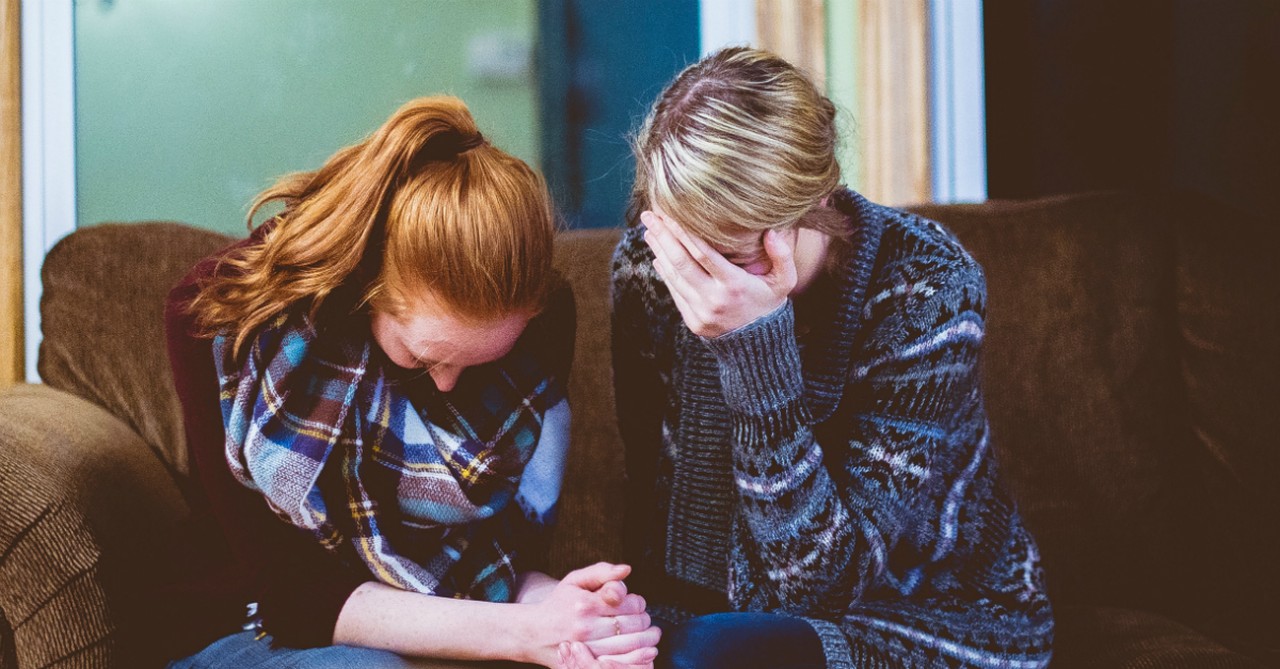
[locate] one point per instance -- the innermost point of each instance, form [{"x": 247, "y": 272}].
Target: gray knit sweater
[{"x": 840, "y": 471}]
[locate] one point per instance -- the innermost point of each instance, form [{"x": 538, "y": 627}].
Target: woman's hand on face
[
  {"x": 591, "y": 606},
  {"x": 715, "y": 296}
]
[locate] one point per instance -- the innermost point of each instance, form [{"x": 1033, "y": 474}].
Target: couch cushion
[
  {"x": 1229, "y": 319},
  {"x": 102, "y": 317},
  {"x": 86, "y": 507},
  {"x": 590, "y": 520},
  {"x": 1108, "y": 638}
]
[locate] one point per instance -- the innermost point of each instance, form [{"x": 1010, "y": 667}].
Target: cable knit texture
[{"x": 844, "y": 476}]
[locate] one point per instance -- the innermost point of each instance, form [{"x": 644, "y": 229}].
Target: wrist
[
  {"x": 760, "y": 366},
  {"x": 527, "y": 644},
  {"x": 533, "y": 587}
]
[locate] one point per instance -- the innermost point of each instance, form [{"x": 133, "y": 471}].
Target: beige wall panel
[
  {"x": 11, "y": 350},
  {"x": 795, "y": 30},
  {"x": 894, "y": 105}
]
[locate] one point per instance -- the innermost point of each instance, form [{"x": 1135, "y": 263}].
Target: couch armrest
[{"x": 82, "y": 498}]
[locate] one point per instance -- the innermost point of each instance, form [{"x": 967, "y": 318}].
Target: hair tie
[
  {"x": 471, "y": 142},
  {"x": 447, "y": 146}
]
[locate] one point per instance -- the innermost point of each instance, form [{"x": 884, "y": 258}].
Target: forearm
[
  {"x": 818, "y": 557},
  {"x": 796, "y": 518},
  {"x": 588, "y": 605},
  {"x": 413, "y": 624}
]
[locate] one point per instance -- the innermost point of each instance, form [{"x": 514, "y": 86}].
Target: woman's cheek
[{"x": 385, "y": 335}]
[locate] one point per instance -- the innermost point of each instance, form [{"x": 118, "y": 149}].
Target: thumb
[
  {"x": 613, "y": 592},
  {"x": 782, "y": 258},
  {"x": 582, "y": 657},
  {"x": 593, "y": 577}
]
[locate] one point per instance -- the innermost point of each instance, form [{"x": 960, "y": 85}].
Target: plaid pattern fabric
[{"x": 416, "y": 483}]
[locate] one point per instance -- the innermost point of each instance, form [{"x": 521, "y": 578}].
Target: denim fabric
[
  {"x": 739, "y": 641},
  {"x": 243, "y": 651}
]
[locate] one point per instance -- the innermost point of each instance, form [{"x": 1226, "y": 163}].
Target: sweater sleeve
[
  {"x": 822, "y": 519},
  {"x": 299, "y": 586}
]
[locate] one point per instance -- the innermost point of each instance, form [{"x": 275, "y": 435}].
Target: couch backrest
[
  {"x": 1131, "y": 376},
  {"x": 1132, "y": 416},
  {"x": 102, "y": 317},
  {"x": 1081, "y": 379}
]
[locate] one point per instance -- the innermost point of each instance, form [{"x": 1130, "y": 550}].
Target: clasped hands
[
  {"x": 592, "y": 622},
  {"x": 713, "y": 295}
]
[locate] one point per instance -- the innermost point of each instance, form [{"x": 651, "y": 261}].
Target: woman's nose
[{"x": 445, "y": 376}]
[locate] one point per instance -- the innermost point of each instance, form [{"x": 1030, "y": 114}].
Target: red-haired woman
[{"x": 373, "y": 387}]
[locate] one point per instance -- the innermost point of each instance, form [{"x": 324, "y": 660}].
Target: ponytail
[{"x": 334, "y": 230}]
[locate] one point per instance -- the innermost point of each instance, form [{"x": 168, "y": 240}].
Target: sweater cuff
[
  {"x": 760, "y": 368},
  {"x": 835, "y": 646}
]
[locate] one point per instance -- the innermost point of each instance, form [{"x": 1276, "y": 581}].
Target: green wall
[
  {"x": 842, "y": 84},
  {"x": 186, "y": 109}
]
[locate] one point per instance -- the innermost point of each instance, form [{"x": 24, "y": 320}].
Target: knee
[
  {"x": 345, "y": 657},
  {"x": 741, "y": 641},
  {"x": 700, "y": 643}
]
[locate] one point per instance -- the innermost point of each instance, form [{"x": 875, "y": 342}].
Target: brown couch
[{"x": 1131, "y": 376}]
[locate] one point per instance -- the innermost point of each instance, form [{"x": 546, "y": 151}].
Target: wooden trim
[
  {"x": 894, "y": 105},
  {"x": 11, "y": 325},
  {"x": 797, "y": 31}
]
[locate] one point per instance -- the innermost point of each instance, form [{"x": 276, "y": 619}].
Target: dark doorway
[
  {"x": 1141, "y": 94},
  {"x": 600, "y": 66}
]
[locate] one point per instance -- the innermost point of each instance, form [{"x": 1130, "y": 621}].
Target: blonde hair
[
  {"x": 422, "y": 203},
  {"x": 740, "y": 141}
]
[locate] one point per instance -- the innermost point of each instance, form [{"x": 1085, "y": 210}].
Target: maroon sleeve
[{"x": 299, "y": 585}]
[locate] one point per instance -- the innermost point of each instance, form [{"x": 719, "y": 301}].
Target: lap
[
  {"x": 740, "y": 641},
  {"x": 243, "y": 651}
]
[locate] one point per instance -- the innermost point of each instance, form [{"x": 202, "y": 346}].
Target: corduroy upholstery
[
  {"x": 102, "y": 314},
  {"x": 81, "y": 496},
  {"x": 1131, "y": 378}
]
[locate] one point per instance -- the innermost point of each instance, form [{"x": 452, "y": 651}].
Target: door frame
[{"x": 48, "y": 149}]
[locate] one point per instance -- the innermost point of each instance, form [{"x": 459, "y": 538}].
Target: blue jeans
[
  {"x": 740, "y": 641},
  {"x": 243, "y": 651}
]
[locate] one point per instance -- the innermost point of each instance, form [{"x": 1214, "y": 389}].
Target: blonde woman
[
  {"x": 373, "y": 387},
  {"x": 811, "y": 479}
]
